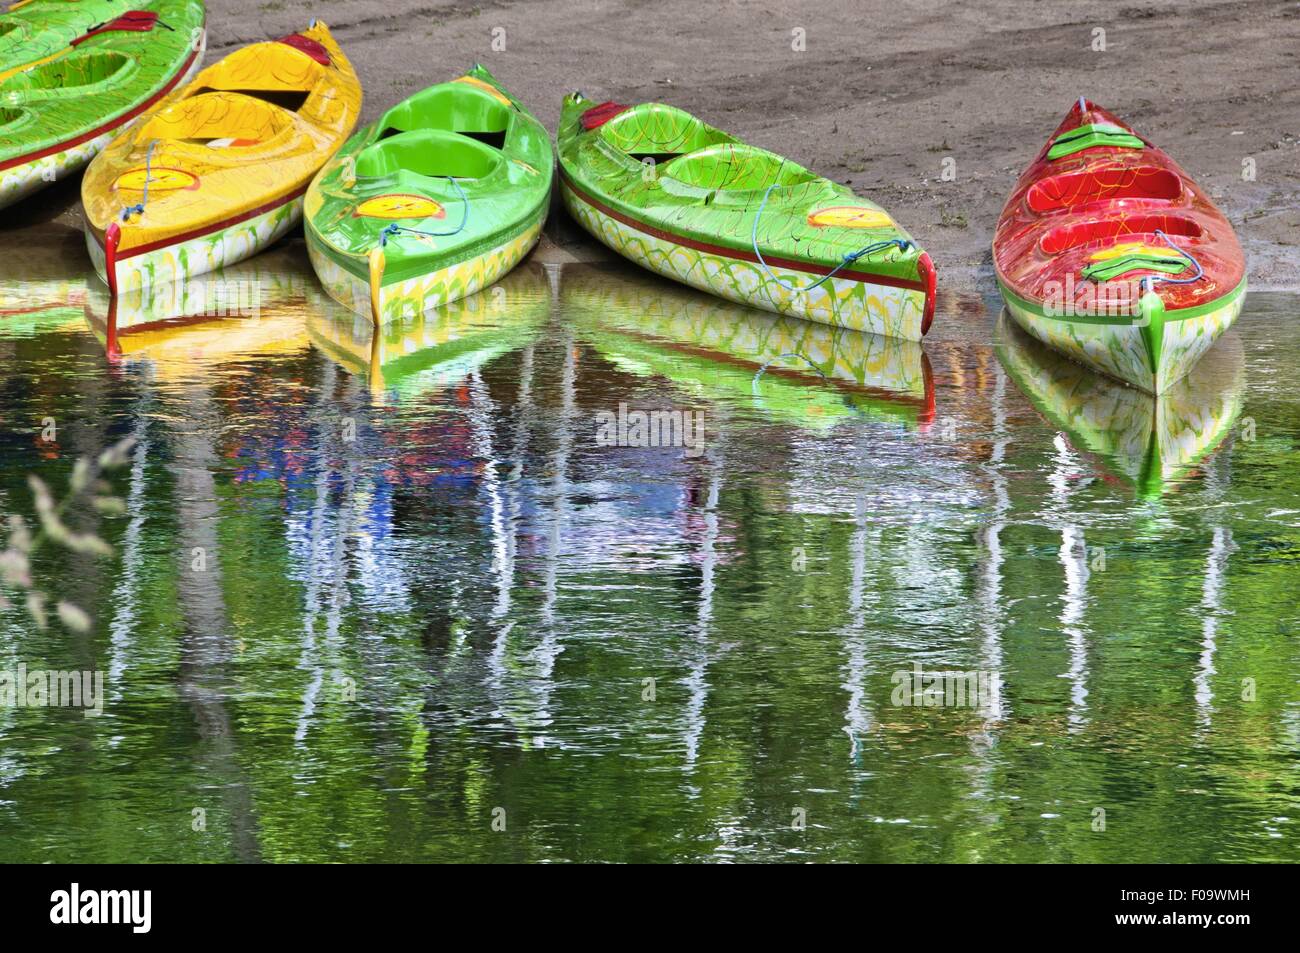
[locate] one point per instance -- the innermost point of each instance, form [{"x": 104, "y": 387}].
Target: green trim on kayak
[
  {"x": 1114, "y": 267},
  {"x": 462, "y": 162},
  {"x": 1090, "y": 136}
]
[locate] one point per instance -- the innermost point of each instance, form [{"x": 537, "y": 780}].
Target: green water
[{"x": 430, "y": 599}]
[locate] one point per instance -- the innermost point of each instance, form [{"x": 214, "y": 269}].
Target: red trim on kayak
[
  {"x": 133, "y": 21},
  {"x": 801, "y": 266},
  {"x": 112, "y": 239},
  {"x": 106, "y": 127},
  {"x": 207, "y": 230},
  {"x": 305, "y": 44},
  {"x": 597, "y": 116},
  {"x": 925, "y": 266}
]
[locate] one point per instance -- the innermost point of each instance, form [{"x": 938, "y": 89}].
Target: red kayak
[{"x": 1110, "y": 253}]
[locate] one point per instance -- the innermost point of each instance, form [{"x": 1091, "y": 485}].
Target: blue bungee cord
[
  {"x": 139, "y": 207},
  {"x": 394, "y": 228},
  {"x": 848, "y": 259},
  {"x": 1151, "y": 280}
]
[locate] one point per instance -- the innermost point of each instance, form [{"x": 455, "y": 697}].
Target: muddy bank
[{"x": 875, "y": 94}]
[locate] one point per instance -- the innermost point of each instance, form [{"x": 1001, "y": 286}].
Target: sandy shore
[{"x": 881, "y": 94}]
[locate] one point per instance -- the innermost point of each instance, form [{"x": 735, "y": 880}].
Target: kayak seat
[
  {"x": 451, "y": 107},
  {"x": 1073, "y": 189},
  {"x": 1125, "y": 227},
  {"x": 429, "y": 152},
  {"x": 736, "y": 167},
  {"x": 658, "y": 131}
]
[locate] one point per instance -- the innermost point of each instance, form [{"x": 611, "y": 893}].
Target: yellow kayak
[{"x": 217, "y": 174}]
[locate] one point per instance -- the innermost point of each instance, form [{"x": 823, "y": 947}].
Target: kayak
[
  {"x": 699, "y": 206},
  {"x": 810, "y": 375},
  {"x": 219, "y": 173},
  {"x": 1110, "y": 253},
  {"x": 440, "y": 197},
  {"x": 1144, "y": 441},
  {"x": 83, "y": 79},
  {"x": 426, "y": 353}
]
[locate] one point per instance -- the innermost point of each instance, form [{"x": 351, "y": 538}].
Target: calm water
[{"x": 430, "y": 598}]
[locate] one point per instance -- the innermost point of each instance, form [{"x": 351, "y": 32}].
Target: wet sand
[{"x": 881, "y": 95}]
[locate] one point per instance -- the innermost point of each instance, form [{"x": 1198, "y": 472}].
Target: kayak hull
[
  {"x": 225, "y": 245},
  {"x": 414, "y": 296},
  {"x": 1121, "y": 348},
  {"x": 859, "y": 304},
  {"x": 28, "y": 178},
  {"x": 698, "y": 205}
]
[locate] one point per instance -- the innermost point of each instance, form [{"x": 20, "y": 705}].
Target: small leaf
[
  {"x": 81, "y": 475},
  {"x": 116, "y": 455},
  {"x": 36, "y": 609},
  {"x": 110, "y": 505},
  {"x": 15, "y": 569},
  {"x": 86, "y": 543},
  {"x": 20, "y": 537},
  {"x": 73, "y": 617}
]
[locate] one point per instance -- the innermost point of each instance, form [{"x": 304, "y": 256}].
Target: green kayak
[
  {"x": 695, "y": 204},
  {"x": 92, "y": 68},
  {"x": 1147, "y": 442},
  {"x": 439, "y": 198}
]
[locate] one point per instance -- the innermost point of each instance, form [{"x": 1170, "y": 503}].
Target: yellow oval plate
[
  {"x": 161, "y": 179},
  {"x": 400, "y": 206},
  {"x": 848, "y": 216}
]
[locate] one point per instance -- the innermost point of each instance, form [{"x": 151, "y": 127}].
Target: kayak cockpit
[
  {"x": 451, "y": 107},
  {"x": 1076, "y": 189},
  {"x": 71, "y": 72},
  {"x": 1130, "y": 228},
  {"x": 736, "y": 167},
  {"x": 657, "y": 133},
  {"x": 218, "y": 119},
  {"x": 434, "y": 153}
]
